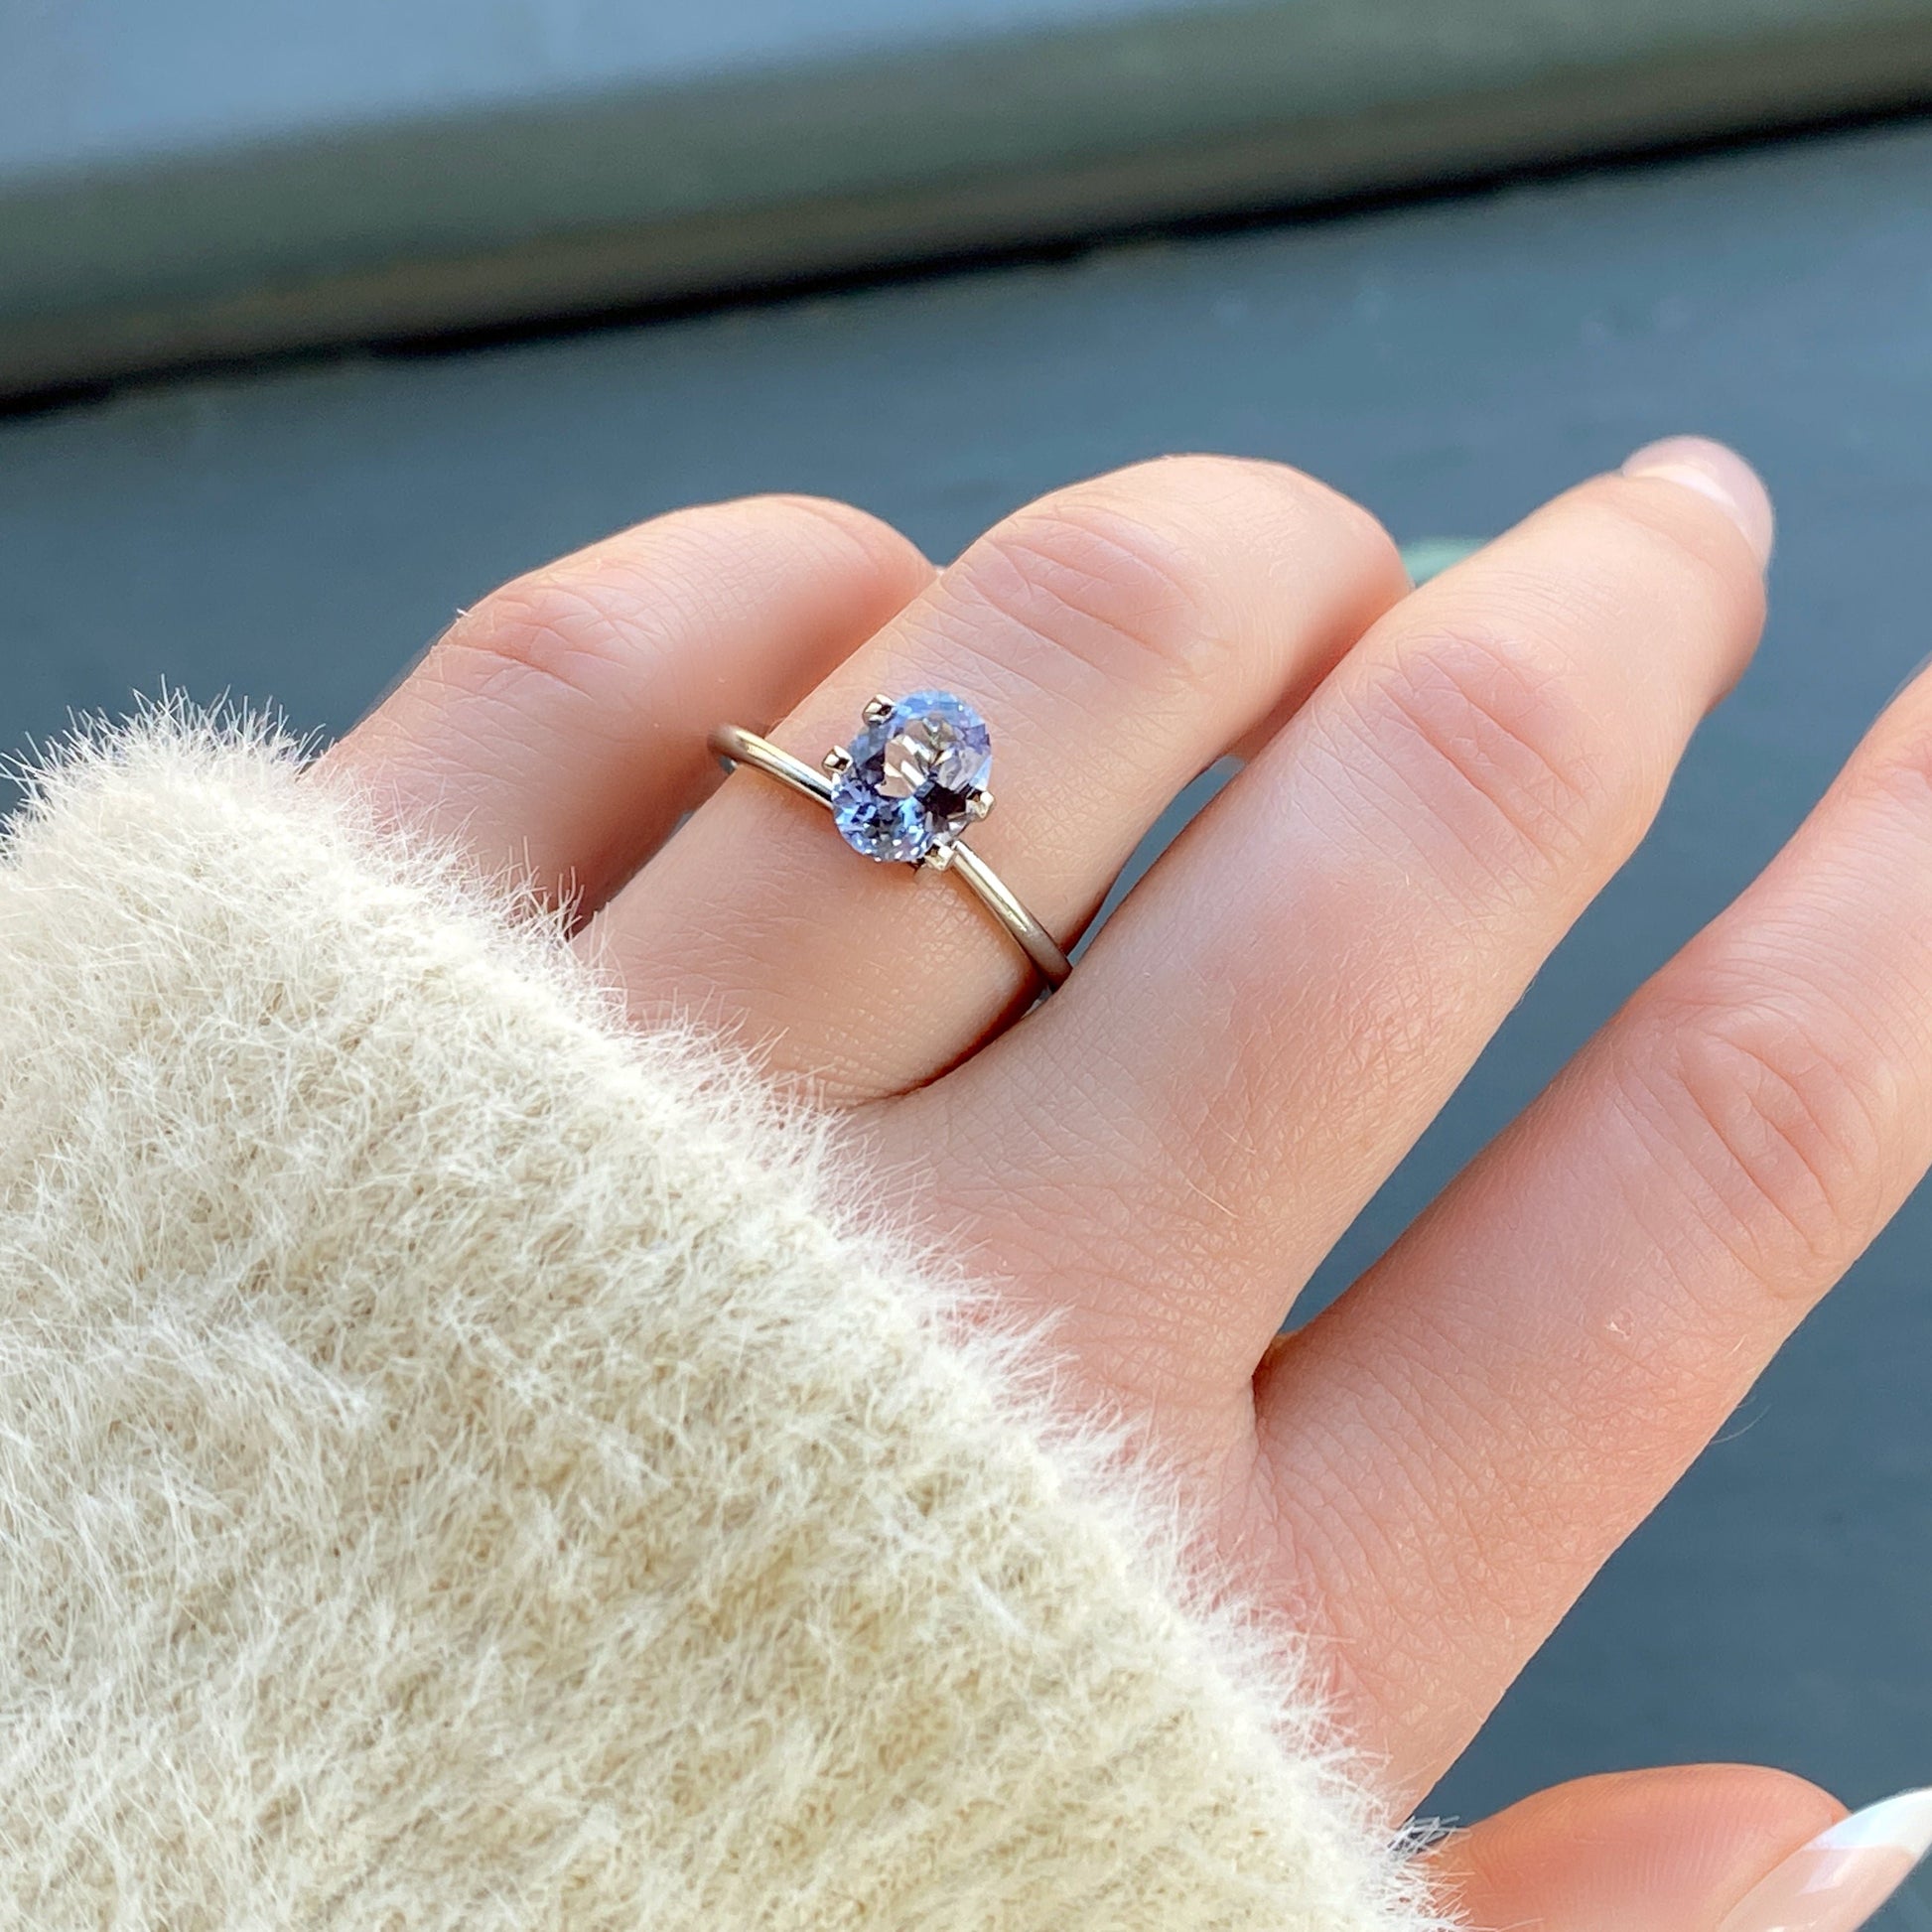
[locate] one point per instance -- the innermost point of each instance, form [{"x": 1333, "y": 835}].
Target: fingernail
[
  {"x": 1837, "y": 1881},
  {"x": 1717, "y": 472}
]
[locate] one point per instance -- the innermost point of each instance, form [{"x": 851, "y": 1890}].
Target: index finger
[{"x": 1496, "y": 1405}]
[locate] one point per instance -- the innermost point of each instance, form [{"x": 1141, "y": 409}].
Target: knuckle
[
  {"x": 851, "y": 537},
  {"x": 1505, "y": 749},
  {"x": 1252, "y": 492},
  {"x": 555, "y": 628},
  {"x": 620, "y": 604},
  {"x": 1772, "y": 1120},
  {"x": 1102, "y": 586},
  {"x": 1154, "y": 570}
]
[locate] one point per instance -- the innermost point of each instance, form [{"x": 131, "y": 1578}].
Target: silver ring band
[{"x": 737, "y": 745}]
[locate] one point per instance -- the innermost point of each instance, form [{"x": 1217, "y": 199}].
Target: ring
[{"x": 906, "y": 788}]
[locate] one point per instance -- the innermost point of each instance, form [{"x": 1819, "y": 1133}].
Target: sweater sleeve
[{"x": 464, "y": 1465}]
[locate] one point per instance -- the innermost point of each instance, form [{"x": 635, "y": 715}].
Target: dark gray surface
[
  {"x": 185, "y": 179},
  {"x": 301, "y": 535}
]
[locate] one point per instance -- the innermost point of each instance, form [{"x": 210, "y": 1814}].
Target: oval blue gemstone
[{"x": 913, "y": 771}]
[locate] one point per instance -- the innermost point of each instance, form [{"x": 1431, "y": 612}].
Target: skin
[{"x": 1437, "y": 783}]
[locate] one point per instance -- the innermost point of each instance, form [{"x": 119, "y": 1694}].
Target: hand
[{"x": 1437, "y": 782}]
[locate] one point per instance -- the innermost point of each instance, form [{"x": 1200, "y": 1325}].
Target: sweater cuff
[{"x": 468, "y": 1465}]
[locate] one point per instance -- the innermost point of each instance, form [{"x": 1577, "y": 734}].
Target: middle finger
[{"x": 1290, "y": 996}]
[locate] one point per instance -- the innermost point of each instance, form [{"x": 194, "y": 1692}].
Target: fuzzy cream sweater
[{"x": 465, "y": 1465}]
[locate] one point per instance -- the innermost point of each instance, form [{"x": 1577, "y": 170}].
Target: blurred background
[{"x": 316, "y": 320}]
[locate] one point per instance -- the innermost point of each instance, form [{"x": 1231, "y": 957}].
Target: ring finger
[{"x": 1117, "y": 637}]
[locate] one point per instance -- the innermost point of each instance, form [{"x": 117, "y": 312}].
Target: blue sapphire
[{"x": 913, "y": 778}]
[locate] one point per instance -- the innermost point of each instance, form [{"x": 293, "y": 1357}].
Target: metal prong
[
  {"x": 937, "y": 858},
  {"x": 979, "y": 801},
  {"x": 878, "y": 708},
  {"x": 837, "y": 759}
]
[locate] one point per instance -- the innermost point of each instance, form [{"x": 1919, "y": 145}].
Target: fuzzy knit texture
[{"x": 463, "y": 1465}]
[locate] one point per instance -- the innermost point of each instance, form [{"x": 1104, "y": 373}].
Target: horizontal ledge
[{"x": 527, "y": 218}]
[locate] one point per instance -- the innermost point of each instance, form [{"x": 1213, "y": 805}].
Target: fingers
[
  {"x": 1278, "y": 1010},
  {"x": 560, "y": 725},
  {"x": 1670, "y": 1850},
  {"x": 1117, "y": 637},
  {"x": 1463, "y": 1440}
]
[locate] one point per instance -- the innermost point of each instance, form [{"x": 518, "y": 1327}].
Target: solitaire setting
[
  {"x": 912, "y": 779},
  {"x": 907, "y": 787}
]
